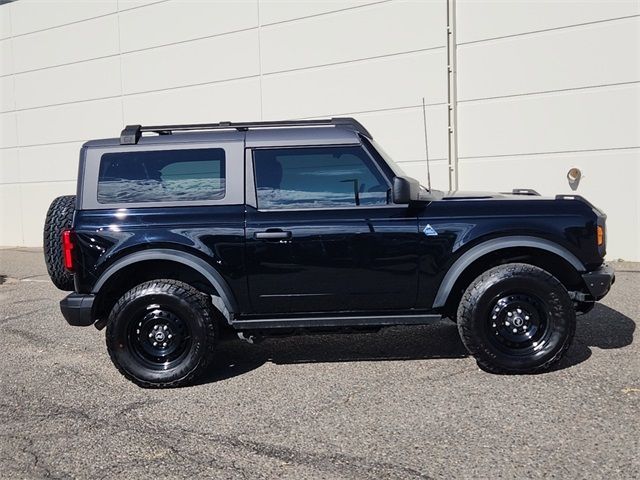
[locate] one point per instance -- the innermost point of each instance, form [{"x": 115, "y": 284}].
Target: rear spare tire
[{"x": 59, "y": 218}]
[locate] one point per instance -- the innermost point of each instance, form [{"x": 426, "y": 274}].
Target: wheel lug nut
[
  {"x": 155, "y": 344},
  {"x": 151, "y": 335},
  {"x": 494, "y": 317},
  {"x": 519, "y": 310},
  {"x": 510, "y": 314},
  {"x": 515, "y": 330},
  {"x": 507, "y": 323},
  {"x": 526, "y": 317},
  {"x": 169, "y": 336},
  {"x": 165, "y": 327},
  {"x": 494, "y": 325},
  {"x": 155, "y": 327},
  {"x": 164, "y": 344}
]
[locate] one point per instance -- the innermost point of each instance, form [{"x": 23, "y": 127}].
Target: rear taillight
[{"x": 67, "y": 246}]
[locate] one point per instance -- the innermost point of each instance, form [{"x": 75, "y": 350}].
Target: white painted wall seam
[
  {"x": 546, "y": 92},
  {"x": 558, "y": 152},
  {"x": 534, "y": 32},
  {"x": 330, "y": 12}
]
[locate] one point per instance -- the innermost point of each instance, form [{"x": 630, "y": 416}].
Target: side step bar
[{"x": 352, "y": 321}]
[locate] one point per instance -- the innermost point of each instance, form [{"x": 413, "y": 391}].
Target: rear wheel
[
  {"x": 59, "y": 218},
  {"x": 162, "y": 334},
  {"x": 516, "y": 318}
]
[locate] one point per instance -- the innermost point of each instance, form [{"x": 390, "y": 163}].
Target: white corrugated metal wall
[{"x": 541, "y": 87}]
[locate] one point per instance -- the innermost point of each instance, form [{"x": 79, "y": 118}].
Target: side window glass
[
  {"x": 318, "y": 177},
  {"x": 162, "y": 176}
]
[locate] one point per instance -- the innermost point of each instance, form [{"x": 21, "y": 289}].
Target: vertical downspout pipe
[{"x": 452, "y": 96}]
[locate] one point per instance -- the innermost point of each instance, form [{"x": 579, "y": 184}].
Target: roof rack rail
[{"x": 132, "y": 133}]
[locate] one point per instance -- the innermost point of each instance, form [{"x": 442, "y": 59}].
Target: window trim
[
  {"x": 234, "y": 189},
  {"x": 223, "y": 177},
  {"x": 250, "y": 171}
]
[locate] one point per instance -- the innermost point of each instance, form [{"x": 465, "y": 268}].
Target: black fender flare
[
  {"x": 198, "y": 264},
  {"x": 492, "y": 245}
]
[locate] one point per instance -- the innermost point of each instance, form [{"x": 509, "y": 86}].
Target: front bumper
[
  {"x": 77, "y": 309},
  {"x": 598, "y": 282}
]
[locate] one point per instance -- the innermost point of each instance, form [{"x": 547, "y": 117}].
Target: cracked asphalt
[{"x": 403, "y": 403}]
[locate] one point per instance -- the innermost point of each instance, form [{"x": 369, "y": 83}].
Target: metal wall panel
[
  {"x": 485, "y": 19},
  {"x": 172, "y": 22},
  {"x": 71, "y": 43},
  {"x": 547, "y": 86},
  {"x": 542, "y": 86},
  {"x": 54, "y": 86}
]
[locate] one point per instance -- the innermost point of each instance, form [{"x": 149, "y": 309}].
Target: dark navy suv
[{"x": 291, "y": 227}]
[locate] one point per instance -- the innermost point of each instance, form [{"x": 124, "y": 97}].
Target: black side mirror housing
[{"x": 406, "y": 190}]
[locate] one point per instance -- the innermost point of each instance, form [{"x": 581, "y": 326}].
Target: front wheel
[
  {"x": 516, "y": 318},
  {"x": 161, "y": 334}
]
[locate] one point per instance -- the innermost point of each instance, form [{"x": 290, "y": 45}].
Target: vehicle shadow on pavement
[{"x": 603, "y": 327}]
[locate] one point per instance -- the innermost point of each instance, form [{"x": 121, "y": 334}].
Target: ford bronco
[{"x": 298, "y": 226}]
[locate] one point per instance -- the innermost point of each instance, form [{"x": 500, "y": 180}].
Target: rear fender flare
[{"x": 198, "y": 264}]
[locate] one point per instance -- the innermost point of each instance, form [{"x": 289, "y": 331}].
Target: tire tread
[
  {"x": 196, "y": 298},
  {"x": 59, "y": 217},
  {"x": 473, "y": 292}
]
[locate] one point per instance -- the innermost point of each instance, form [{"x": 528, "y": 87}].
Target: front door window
[{"x": 319, "y": 177}]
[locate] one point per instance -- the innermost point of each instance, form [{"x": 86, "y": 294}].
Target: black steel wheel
[
  {"x": 519, "y": 324},
  {"x": 160, "y": 338},
  {"x": 162, "y": 333},
  {"x": 516, "y": 318}
]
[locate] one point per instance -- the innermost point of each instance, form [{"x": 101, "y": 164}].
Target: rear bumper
[
  {"x": 77, "y": 309},
  {"x": 598, "y": 282}
]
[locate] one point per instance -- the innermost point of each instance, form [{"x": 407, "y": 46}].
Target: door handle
[{"x": 272, "y": 235}]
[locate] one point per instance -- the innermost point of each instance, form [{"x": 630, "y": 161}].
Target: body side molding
[
  {"x": 492, "y": 245},
  {"x": 210, "y": 273}
]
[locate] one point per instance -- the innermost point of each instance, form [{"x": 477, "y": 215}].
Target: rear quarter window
[{"x": 162, "y": 176}]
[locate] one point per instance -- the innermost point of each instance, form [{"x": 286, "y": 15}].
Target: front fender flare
[
  {"x": 198, "y": 264},
  {"x": 492, "y": 245}
]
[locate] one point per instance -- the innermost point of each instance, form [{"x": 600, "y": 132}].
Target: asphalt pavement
[{"x": 403, "y": 403}]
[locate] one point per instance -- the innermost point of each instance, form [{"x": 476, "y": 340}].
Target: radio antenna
[{"x": 426, "y": 142}]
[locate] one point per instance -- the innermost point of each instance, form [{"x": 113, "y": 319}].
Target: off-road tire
[
  {"x": 493, "y": 302},
  {"x": 59, "y": 217},
  {"x": 178, "y": 300}
]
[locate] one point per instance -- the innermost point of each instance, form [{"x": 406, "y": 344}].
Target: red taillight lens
[{"x": 67, "y": 246}]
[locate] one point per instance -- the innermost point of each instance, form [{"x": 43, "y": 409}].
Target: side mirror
[{"x": 405, "y": 190}]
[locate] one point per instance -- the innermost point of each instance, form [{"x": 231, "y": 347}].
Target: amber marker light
[{"x": 600, "y": 235}]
